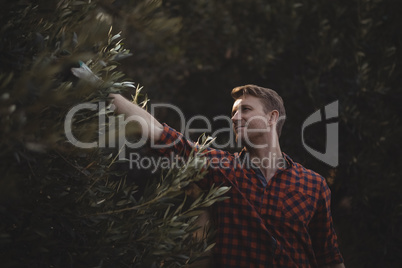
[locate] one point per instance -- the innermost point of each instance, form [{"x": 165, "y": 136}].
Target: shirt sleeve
[
  {"x": 322, "y": 231},
  {"x": 172, "y": 143}
]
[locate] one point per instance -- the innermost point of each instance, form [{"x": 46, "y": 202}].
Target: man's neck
[{"x": 268, "y": 159}]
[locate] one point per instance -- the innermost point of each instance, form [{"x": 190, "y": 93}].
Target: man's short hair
[{"x": 269, "y": 98}]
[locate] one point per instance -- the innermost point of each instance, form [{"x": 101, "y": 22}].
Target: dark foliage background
[
  {"x": 65, "y": 206},
  {"x": 192, "y": 53}
]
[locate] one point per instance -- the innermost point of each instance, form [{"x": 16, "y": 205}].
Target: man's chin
[
  {"x": 240, "y": 140},
  {"x": 246, "y": 141}
]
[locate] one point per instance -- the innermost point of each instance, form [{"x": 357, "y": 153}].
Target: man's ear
[{"x": 273, "y": 118}]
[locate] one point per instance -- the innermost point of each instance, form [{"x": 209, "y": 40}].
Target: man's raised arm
[{"x": 124, "y": 106}]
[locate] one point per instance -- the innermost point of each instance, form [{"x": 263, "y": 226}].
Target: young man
[{"x": 278, "y": 213}]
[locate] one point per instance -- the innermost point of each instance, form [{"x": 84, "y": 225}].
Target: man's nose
[
  {"x": 237, "y": 119},
  {"x": 236, "y": 116}
]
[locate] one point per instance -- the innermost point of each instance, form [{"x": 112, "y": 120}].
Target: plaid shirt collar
[{"x": 289, "y": 162}]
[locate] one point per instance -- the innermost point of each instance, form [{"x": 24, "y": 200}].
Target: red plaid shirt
[{"x": 286, "y": 222}]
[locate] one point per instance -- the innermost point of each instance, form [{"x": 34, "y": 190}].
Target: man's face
[{"x": 250, "y": 122}]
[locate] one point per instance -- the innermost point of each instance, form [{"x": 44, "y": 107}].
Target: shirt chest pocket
[{"x": 298, "y": 206}]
